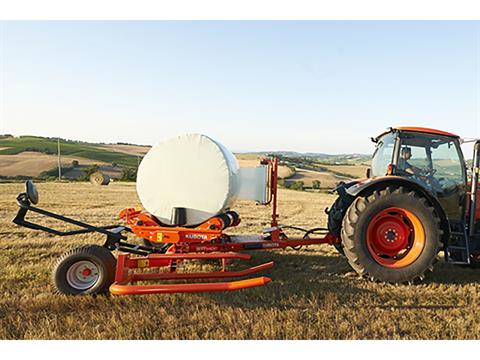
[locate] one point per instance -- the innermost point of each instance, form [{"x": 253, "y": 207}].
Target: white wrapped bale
[{"x": 192, "y": 172}]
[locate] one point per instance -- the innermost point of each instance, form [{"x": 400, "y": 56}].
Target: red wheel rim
[{"x": 395, "y": 237}]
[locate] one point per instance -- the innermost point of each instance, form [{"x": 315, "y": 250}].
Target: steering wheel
[{"x": 429, "y": 172}]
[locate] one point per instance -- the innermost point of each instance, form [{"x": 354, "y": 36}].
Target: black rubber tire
[
  {"x": 100, "y": 256},
  {"x": 160, "y": 248},
  {"x": 354, "y": 229},
  {"x": 334, "y": 221}
]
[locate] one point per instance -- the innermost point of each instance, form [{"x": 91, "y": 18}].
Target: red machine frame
[{"x": 206, "y": 241}]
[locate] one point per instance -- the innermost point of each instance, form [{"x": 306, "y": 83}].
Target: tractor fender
[{"x": 359, "y": 188}]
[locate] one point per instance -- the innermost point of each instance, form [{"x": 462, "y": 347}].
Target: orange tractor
[{"x": 415, "y": 201}]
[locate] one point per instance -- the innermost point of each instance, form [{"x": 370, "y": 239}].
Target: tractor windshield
[{"x": 383, "y": 155}]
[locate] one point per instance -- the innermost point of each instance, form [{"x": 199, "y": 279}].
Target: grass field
[
  {"x": 314, "y": 293},
  {"x": 127, "y": 149},
  {"x": 30, "y": 163},
  {"x": 327, "y": 179},
  {"x": 353, "y": 171},
  {"x": 284, "y": 172},
  {"x": 17, "y": 145}
]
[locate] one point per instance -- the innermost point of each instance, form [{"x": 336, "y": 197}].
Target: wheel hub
[
  {"x": 86, "y": 272},
  {"x": 395, "y": 237},
  {"x": 82, "y": 275}
]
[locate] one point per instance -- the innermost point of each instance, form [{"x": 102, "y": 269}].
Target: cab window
[
  {"x": 447, "y": 165},
  {"x": 419, "y": 157},
  {"x": 383, "y": 155},
  {"x": 412, "y": 157}
]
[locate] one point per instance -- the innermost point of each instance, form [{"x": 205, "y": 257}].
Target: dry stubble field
[{"x": 314, "y": 294}]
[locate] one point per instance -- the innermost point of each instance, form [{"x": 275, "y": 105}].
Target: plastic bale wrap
[{"x": 192, "y": 172}]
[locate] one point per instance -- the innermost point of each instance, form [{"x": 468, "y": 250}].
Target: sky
[{"x": 308, "y": 86}]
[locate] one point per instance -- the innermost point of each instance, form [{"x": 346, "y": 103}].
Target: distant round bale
[{"x": 98, "y": 178}]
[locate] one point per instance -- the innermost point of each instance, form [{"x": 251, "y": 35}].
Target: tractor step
[
  {"x": 461, "y": 248},
  {"x": 458, "y": 262},
  {"x": 458, "y": 248},
  {"x": 126, "y": 265}
]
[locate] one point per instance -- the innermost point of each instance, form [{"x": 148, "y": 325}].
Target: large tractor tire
[
  {"x": 334, "y": 223},
  {"x": 85, "y": 270},
  {"x": 391, "y": 235}
]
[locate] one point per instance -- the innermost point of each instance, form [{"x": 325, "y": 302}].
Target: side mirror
[
  {"x": 32, "y": 192},
  {"x": 368, "y": 173}
]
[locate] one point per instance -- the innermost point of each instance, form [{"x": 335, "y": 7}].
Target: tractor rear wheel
[
  {"x": 85, "y": 270},
  {"x": 391, "y": 235}
]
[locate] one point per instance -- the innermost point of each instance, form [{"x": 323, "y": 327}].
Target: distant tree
[
  {"x": 316, "y": 184},
  {"x": 114, "y": 164},
  {"x": 297, "y": 185},
  {"x": 129, "y": 174},
  {"x": 92, "y": 169},
  {"x": 75, "y": 163},
  {"x": 89, "y": 171}
]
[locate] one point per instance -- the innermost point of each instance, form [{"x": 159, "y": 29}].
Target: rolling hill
[
  {"x": 320, "y": 157},
  {"x": 75, "y": 149},
  {"x": 31, "y": 163},
  {"x": 35, "y": 156}
]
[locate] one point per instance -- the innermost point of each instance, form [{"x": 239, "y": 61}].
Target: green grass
[{"x": 72, "y": 148}]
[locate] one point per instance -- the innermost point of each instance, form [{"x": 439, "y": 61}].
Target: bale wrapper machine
[{"x": 94, "y": 269}]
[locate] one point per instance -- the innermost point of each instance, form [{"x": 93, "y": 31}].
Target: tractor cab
[{"x": 431, "y": 158}]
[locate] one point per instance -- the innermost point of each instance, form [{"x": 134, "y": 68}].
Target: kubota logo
[{"x": 196, "y": 236}]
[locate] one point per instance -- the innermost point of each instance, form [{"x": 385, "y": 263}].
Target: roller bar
[{"x": 125, "y": 289}]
